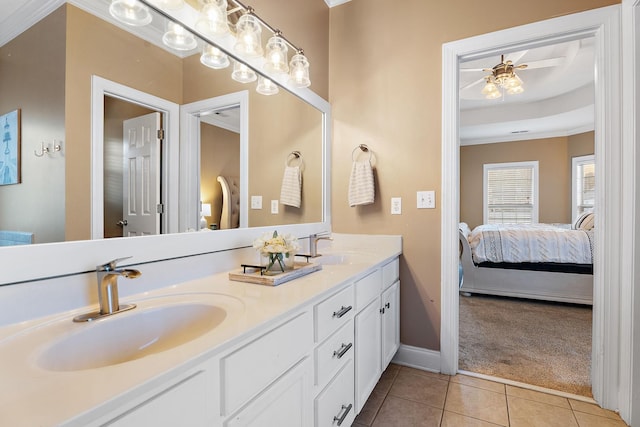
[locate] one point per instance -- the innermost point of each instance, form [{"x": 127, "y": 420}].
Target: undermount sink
[
  {"x": 338, "y": 259},
  {"x": 129, "y": 336}
]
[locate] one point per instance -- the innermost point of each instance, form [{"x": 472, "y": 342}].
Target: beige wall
[
  {"x": 385, "y": 90},
  {"x": 32, "y": 70},
  {"x": 554, "y": 167},
  {"x": 219, "y": 155}
]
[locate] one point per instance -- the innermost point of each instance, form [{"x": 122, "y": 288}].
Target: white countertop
[{"x": 33, "y": 396}]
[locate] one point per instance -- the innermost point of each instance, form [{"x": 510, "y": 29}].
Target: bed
[{"x": 552, "y": 262}]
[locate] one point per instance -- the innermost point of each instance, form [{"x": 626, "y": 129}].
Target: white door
[{"x": 141, "y": 175}]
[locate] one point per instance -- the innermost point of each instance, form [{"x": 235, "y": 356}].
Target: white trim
[
  {"x": 190, "y": 156},
  {"x": 417, "y": 357},
  {"x": 27, "y": 14},
  {"x": 629, "y": 403},
  {"x": 334, "y": 3},
  {"x": 603, "y": 25},
  {"x": 170, "y": 111},
  {"x": 527, "y": 136}
]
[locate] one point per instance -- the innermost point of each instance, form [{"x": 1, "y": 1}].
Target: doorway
[{"x": 603, "y": 25}]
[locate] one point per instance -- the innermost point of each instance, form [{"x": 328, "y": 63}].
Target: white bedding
[{"x": 516, "y": 243}]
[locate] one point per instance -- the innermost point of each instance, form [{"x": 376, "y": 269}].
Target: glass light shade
[
  {"x": 130, "y": 12},
  {"x": 512, "y": 82},
  {"x": 515, "y": 90},
  {"x": 299, "y": 71},
  {"x": 168, "y": 4},
  {"x": 494, "y": 95},
  {"x": 249, "y": 38},
  {"x": 213, "y": 57},
  {"x": 213, "y": 18},
  {"x": 490, "y": 87},
  {"x": 243, "y": 74},
  {"x": 266, "y": 86},
  {"x": 277, "y": 57},
  {"x": 178, "y": 38}
]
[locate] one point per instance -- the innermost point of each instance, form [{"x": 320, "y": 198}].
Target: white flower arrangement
[{"x": 276, "y": 247}]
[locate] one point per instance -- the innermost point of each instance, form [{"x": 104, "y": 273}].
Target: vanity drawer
[
  {"x": 390, "y": 273},
  {"x": 333, "y": 312},
  {"x": 334, "y": 406},
  {"x": 251, "y": 368},
  {"x": 333, "y": 354},
  {"x": 367, "y": 289}
]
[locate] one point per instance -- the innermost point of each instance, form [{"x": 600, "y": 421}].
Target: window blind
[{"x": 510, "y": 194}]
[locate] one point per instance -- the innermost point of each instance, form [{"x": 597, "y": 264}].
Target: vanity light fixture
[
  {"x": 277, "y": 56},
  {"x": 176, "y": 37},
  {"x": 213, "y": 18},
  {"x": 214, "y": 58},
  {"x": 249, "y": 38},
  {"x": 130, "y": 12},
  {"x": 243, "y": 74},
  {"x": 299, "y": 74},
  {"x": 168, "y": 4},
  {"x": 266, "y": 86}
]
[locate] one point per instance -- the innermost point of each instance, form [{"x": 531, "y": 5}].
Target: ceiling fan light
[
  {"x": 249, "y": 42},
  {"x": 213, "y": 18},
  {"x": 515, "y": 90},
  {"x": 178, "y": 38},
  {"x": 490, "y": 87},
  {"x": 130, "y": 12},
  {"x": 214, "y": 58},
  {"x": 266, "y": 86},
  {"x": 512, "y": 82},
  {"x": 494, "y": 95},
  {"x": 243, "y": 74}
]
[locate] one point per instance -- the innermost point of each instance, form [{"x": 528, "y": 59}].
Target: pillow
[
  {"x": 464, "y": 228},
  {"x": 585, "y": 221}
]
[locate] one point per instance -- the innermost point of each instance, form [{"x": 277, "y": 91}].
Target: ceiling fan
[{"x": 503, "y": 76}]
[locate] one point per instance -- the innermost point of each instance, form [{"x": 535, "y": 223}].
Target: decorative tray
[{"x": 257, "y": 273}]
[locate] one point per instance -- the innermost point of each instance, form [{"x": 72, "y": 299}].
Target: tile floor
[{"x": 411, "y": 397}]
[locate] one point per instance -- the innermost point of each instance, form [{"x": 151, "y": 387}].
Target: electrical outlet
[
  {"x": 426, "y": 199},
  {"x": 256, "y": 202},
  {"x": 396, "y": 205},
  {"x": 274, "y": 206}
]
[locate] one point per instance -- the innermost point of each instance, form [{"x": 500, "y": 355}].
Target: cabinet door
[
  {"x": 287, "y": 403},
  {"x": 368, "y": 354},
  {"x": 390, "y": 323}
]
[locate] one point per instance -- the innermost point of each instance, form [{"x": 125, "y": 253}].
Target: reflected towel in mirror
[
  {"x": 290, "y": 194},
  {"x": 361, "y": 185}
]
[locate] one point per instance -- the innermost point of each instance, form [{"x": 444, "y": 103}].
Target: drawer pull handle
[
  {"x": 388, "y": 305},
  {"x": 343, "y": 350},
  {"x": 382, "y": 310},
  {"x": 345, "y": 411},
  {"x": 343, "y": 310}
]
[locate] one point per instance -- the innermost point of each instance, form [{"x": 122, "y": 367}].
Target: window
[
  {"x": 511, "y": 193},
  {"x": 583, "y": 184}
]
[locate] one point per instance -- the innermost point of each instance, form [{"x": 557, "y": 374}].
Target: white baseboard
[{"x": 417, "y": 357}]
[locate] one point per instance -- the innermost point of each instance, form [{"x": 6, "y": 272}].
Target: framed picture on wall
[{"x": 10, "y": 148}]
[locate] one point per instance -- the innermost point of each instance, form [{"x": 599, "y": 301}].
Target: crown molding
[
  {"x": 333, "y": 3},
  {"x": 26, "y": 14}
]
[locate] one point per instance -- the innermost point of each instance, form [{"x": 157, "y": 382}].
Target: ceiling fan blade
[
  {"x": 545, "y": 63},
  {"x": 472, "y": 84}
]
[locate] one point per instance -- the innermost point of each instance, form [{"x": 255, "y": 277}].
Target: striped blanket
[{"x": 515, "y": 243}]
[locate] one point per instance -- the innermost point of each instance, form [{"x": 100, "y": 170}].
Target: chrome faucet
[
  {"x": 313, "y": 243},
  {"x": 108, "y": 275}
]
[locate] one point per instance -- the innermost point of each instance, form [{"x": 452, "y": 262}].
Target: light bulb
[
  {"x": 249, "y": 42},
  {"x": 299, "y": 74},
  {"x": 276, "y": 56},
  {"x": 214, "y": 58}
]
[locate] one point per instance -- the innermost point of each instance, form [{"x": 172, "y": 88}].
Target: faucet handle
[{"x": 111, "y": 265}]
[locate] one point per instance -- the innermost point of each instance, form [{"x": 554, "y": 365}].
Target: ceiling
[{"x": 557, "y": 100}]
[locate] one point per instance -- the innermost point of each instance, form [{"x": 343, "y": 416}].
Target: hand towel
[
  {"x": 290, "y": 193},
  {"x": 361, "y": 186}
]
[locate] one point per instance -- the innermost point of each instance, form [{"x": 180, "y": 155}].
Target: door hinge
[
  {"x": 160, "y": 133},
  {"x": 160, "y": 208}
]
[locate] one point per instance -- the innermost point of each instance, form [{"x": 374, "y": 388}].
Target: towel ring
[
  {"x": 292, "y": 157},
  {"x": 363, "y": 148}
]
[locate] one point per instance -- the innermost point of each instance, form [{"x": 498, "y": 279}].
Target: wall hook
[{"x": 57, "y": 146}]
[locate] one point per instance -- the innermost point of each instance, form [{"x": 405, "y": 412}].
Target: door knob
[{"x": 122, "y": 223}]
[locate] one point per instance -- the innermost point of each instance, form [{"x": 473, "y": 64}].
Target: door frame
[
  {"x": 604, "y": 25},
  {"x": 170, "y": 111}
]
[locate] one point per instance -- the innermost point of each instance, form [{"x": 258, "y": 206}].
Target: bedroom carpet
[{"x": 534, "y": 342}]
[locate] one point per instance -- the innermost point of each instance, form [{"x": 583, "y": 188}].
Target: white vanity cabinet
[{"x": 377, "y": 327}]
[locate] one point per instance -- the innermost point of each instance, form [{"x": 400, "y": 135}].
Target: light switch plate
[
  {"x": 256, "y": 202},
  {"x": 396, "y": 205},
  {"x": 274, "y": 206},
  {"x": 426, "y": 199}
]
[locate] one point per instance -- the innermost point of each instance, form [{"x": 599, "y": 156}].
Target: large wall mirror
[{"x": 85, "y": 84}]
